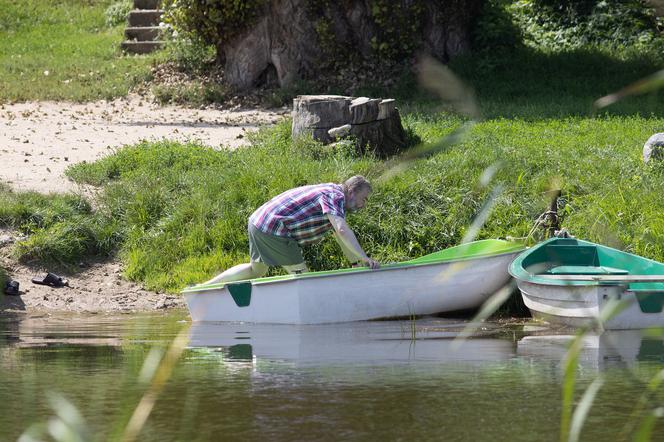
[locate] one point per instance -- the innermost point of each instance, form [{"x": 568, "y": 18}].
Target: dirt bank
[{"x": 38, "y": 140}]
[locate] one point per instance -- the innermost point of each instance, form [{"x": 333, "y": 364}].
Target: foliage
[
  {"x": 214, "y": 21},
  {"x": 60, "y": 228},
  {"x": 495, "y": 29},
  {"x": 64, "y": 51},
  {"x": 191, "y": 94},
  {"x": 116, "y": 14},
  {"x": 189, "y": 52},
  {"x": 398, "y": 28},
  {"x": 574, "y": 24}
]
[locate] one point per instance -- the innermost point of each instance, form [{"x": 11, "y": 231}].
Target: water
[{"x": 390, "y": 380}]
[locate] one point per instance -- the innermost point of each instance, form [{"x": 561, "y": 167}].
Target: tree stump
[{"x": 374, "y": 122}]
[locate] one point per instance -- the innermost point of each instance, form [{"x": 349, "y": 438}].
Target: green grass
[
  {"x": 63, "y": 50},
  {"x": 177, "y": 213}
]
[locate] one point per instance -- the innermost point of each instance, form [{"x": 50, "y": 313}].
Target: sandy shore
[{"x": 38, "y": 140}]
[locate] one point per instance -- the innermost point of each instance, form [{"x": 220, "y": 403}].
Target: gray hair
[{"x": 356, "y": 183}]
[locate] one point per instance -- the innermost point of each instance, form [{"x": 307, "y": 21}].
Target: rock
[
  {"x": 341, "y": 131},
  {"x": 161, "y": 304},
  {"x": 6, "y": 239},
  {"x": 654, "y": 148}
]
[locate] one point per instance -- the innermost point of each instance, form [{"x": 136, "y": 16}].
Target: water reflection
[
  {"x": 360, "y": 343},
  {"x": 372, "y": 380},
  {"x": 611, "y": 349}
]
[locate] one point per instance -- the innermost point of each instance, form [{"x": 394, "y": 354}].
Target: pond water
[{"x": 392, "y": 380}]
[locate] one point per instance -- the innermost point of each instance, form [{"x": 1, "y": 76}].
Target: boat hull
[
  {"x": 578, "y": 283},
  {"x": 363, "y": 295}
]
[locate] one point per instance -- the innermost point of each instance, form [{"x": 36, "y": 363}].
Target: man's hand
[{"x": 373, "y": 265}]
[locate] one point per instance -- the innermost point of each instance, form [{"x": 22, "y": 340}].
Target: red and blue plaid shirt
[{"x": 300, "y": 213}]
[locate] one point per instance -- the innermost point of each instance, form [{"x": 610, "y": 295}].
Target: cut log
[{"x": 374, "y": 123}]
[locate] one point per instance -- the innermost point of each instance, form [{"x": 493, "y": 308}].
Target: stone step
[
  {"x": 147, "y": 4},
  {"x": 145, "y": 33},
  {"x": 141, "y": 47},
  {"x": 144, "y": 17}
]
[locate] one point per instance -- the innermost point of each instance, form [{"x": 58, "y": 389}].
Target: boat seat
[{"x": 586, "y": 270}]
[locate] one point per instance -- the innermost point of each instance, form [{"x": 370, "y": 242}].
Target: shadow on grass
[{"x": 534, "y": 85}]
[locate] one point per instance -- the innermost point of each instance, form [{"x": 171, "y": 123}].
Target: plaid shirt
[{"x": 300, "y": 213}]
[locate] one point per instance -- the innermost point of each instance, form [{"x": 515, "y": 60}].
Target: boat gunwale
[
  {"x": 314, "y": 275},
  {"x": 518, "y": 272}
]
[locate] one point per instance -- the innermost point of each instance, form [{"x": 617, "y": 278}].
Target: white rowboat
[{"x": 458, "y": 278}]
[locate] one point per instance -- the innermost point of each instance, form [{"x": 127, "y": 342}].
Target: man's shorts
[{"x": 273, "y": 250}]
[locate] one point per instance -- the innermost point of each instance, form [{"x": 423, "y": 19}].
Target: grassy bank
[
  {"x": 177, "y": 213},
  {"x": 64, "y": 50}
]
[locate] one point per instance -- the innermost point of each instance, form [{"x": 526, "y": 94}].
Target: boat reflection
[
  {"x": 611, "y": 349},
  {"x": 369, "y": 343}
]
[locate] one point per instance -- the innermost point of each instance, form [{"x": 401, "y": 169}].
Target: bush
[
  {"x": 574, "y": 24},
  {"x": 214, "y": 21},
  {"x": 189, "y": 52},
  {"x": 116, "y": 14}
]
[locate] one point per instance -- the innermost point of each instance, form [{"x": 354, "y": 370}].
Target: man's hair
[{"x": 356, "y": 183}]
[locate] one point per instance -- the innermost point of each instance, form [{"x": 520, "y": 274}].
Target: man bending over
[{"x": 297, "y": 217}]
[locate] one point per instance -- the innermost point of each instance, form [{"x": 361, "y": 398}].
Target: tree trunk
[{"x": 284, "y": 44}]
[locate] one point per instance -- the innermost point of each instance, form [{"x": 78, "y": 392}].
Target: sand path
[{"x": 38, "y": 140}]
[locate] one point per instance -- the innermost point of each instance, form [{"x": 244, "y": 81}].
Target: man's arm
[{"x": 348, "y": 242}]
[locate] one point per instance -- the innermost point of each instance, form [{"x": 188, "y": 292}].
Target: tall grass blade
[
  {"x": 645, "y": 85},
  {"x": 583, "y": 408},
  {"x": 404, "y": 161},
  {"x": 569, "y": 381},
  {"x": 488, "y": 308},
  {"x": 482, "y": 216},
  {"x": 68, "y": 425},
  {"x": 438, "y": 78},
  {"x": 641, "y": 404},
  {"x": 162, "y": 373},
  {"x": 644, "y": 433}
]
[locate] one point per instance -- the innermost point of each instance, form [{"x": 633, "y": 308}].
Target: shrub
[
  {"x": 214, "y": 21},
  {"x": 573, "y": 24},
  {"x": 116, "y": 14}
]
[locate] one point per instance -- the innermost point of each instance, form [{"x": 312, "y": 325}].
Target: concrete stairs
[{"x": 142, "y": 32}]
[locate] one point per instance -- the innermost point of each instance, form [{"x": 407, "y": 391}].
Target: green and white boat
[
  {"x": 577, "y": 283},
  {"x": 457, "y": 278}
]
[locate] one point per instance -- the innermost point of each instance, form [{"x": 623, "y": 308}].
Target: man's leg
[
  {"x": 296, "y": 268},
  {"x": 254, "y": 269}
]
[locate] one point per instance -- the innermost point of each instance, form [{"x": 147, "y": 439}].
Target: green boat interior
[{"x": 569, "y": 256}]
